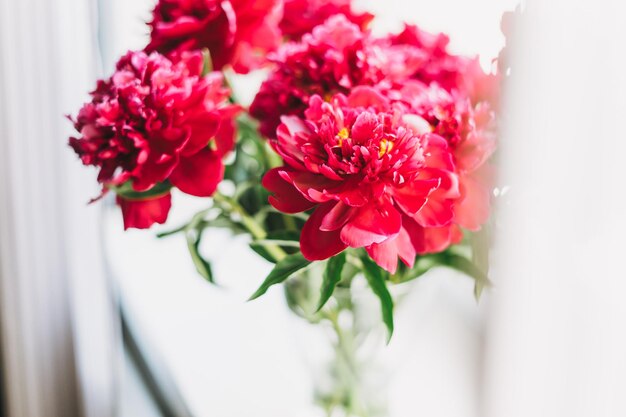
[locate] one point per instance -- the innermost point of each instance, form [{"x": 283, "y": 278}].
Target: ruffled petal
[
  {"x": 372, "y": 224},
  {"x": 204, "y": 127},
  {"x": 317, "y": 244},
  {"x": 472, "y": 210},
  {"x": 337, "y": 217},
  {"x": 200, "y": 174},
  {"x": 412, "y": 197},
  {"x": 431, "y": 239},
  {"x": 141, "y": 214},
  {"x": 286, "y": 198},
  {"x": 225, "y": 137},
  {"x": 364, "y": 96},
  {"x": 311, "y": 185},
  {"x": 386, "y": 254},
  {"x": 437, "y": 211}
]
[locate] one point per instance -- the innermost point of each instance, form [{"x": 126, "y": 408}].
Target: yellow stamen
[
  {"x": 385, "y": 147},
  {"x": 343, "y": 134}
]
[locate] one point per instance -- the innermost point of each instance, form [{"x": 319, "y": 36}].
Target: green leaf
[
  {"x": 480, "y": 256},
  {"x": 332, "y": 276},
  {"x": 376, "y": 278},
  {"x": 285, "y": 268},
  {"x": 260, "y": 250},
  {"x": 194, "y": 237},
  {"x": 466, "y": 266},
  {"x": 285, "y": 239},
  {"x": 423, "y": 264}
]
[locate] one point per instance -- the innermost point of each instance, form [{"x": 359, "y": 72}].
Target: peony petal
[
  {"x": 317, "y": 244},
  {"x": 438, "y": 211},
  {"x": 417, "y": 124},
  {"x": 412, "y": 197},
  {"x": 372, "y": 224},
  {"x": 311, "y": 185},
  {"x": 286, "y": 198},
  {"x": 337, "y": 217},
  {"x": 364, "y": 96},
  {"x": 203, "y": 129},
  {"x": 363, "y": 127},
  {"x": 386, "y": 254},
  {"x": 472, "y": 210},
  {"x": 437, "y": 153},
  {"x": 141, "y": 214},
  {"x": 200, "y": 174},
  {"x": 225, "y": 137},
  {"x": 431, "y": 239}
]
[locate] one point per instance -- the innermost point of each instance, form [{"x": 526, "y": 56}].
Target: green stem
[
  {"x": 256, "y": 230},
  {"x": 290, "y": 222},
  {"x": 346, "y": 349}
]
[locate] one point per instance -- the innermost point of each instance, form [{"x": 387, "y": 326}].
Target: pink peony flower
[
  {"x": 301, "y": 16},
  {"x": 236, "y": 32},
  {"x": 372, "y": 177},
  {"x": 155, "y": 121},
  {"x": 427, "y": 59},
  {"x": 470, "y": 133},
  {"x": 332, "y": 59}
]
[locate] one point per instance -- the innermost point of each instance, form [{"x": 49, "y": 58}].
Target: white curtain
[
  {"x": 557, "y": 332},
  {"x": 59, "y": 343}
]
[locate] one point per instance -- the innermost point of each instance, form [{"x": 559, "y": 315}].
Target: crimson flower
[
  {"x": 371, "y": 177},
  {"x": 301, "y": 16},
  {"x": 156, "y": 122},
  {"x": 332, "y": 59},
  {"x": 236, "y": 32}
]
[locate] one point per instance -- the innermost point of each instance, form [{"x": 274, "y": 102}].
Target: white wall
[{"x": 58, "y": 333}]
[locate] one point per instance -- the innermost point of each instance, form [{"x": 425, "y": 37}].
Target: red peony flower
[
  {"x": 154, "y": 122},
  {"x": 373, "y": 179},
  {"x": 301, "y": 16},
  {"x": 332, "y": 59},
  {"x": 236, "y": 32}
]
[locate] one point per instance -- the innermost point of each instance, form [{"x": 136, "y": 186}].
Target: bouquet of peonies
[{"x": 367, "y": 156}]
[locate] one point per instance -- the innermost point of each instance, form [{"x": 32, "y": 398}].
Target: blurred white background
[{"x": 548, "y": 341}]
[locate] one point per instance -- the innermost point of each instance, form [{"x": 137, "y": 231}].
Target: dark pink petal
[
  {"x": 337, "y": 216},
  {"x": 431, "y": 239},
  {"x": 309, "y": 184},
  {"x": 286, "y": 198},
  {"x": 386, "y": 254},
  {"x": 225, "y": 137},
  {"x": 203, "y": 129},
  {"x": 438, "y": 153},
  {"x": 200, "y": 174},
  {"x": 363, "y": 127},
  {"x": 364, "y": 96},
  {"x": 141, "y": 214},
  {"x": 412, "y": 197},
  {"x": 373, "y": 223},
  {"x": 436, "y": 212},
  {"x": 472, "y": 210},
  {"x": 317, "y": 244},
  {"x": 153, "y": 170}
]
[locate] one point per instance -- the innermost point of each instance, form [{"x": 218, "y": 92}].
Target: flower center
[
  {"x": 384, "y": 147},
  {"x": 342, "y": 135}
]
